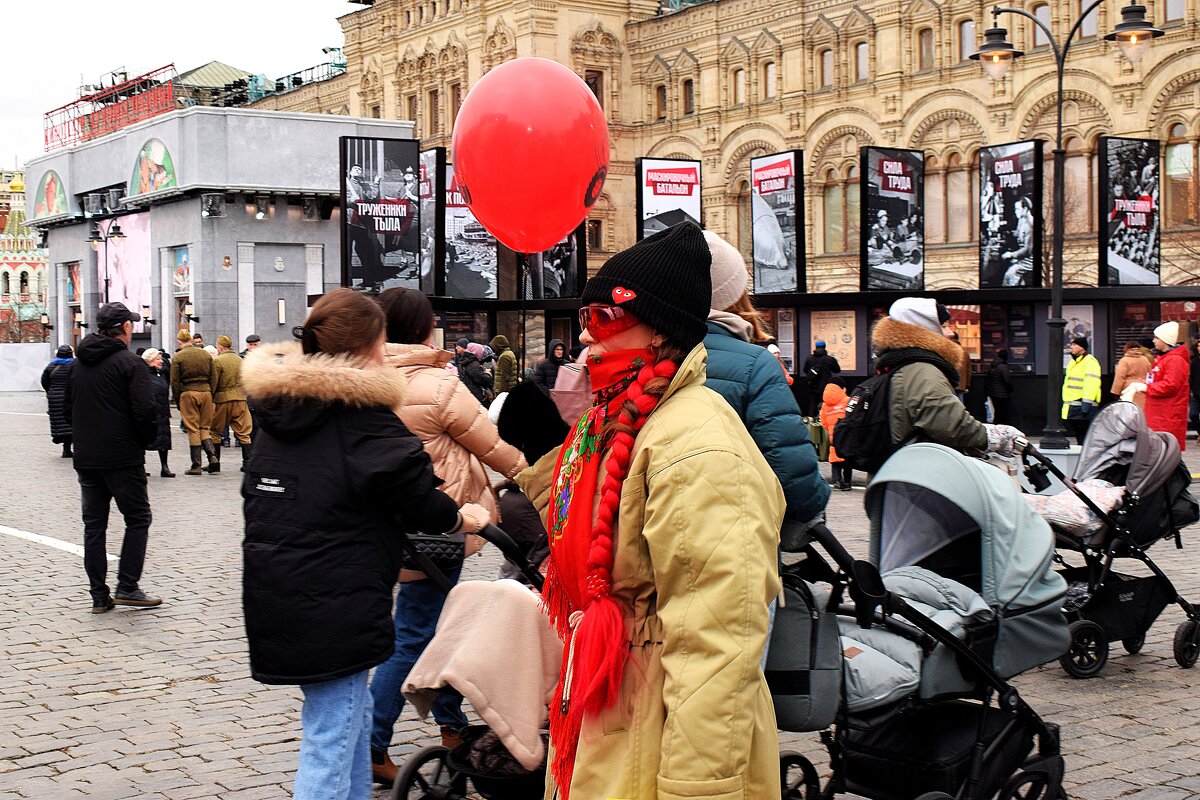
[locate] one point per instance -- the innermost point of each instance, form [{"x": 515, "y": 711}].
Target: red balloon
[{"x": 530, "y": 152}]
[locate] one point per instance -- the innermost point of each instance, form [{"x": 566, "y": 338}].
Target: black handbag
[{"x": 445, "y": 551}]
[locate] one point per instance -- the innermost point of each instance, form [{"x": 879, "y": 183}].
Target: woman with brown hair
[
  {"x": 663, "y": 519},
  {"x": 460, "y": 440},
  {"x": 1135, "y": 363},
  {"x": 334, "y": 477}
]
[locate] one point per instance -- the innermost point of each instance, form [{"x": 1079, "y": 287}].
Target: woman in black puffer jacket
[
  {"x": 334, "y": 478},
  {"x": 160, "y": 386},
  {"x": 54, "y": 383}
]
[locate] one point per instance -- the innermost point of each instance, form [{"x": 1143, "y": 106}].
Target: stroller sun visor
[
  {"x": 926, "y": 496},
  {"x": 1120, "y": 437},
  {"x": 918, "y": 522}
]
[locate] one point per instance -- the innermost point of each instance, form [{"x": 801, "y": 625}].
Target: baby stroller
[
  {"x": 959, "y": 595},
  {"x": 1129, "y": 490},
  {"x": 483, "y": 766}
]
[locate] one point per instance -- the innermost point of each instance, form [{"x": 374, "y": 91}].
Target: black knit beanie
[{"x": 663, "y": 280}]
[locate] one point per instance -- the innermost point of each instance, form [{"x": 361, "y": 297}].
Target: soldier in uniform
[
  {"x": 229, "y": 402},
  {"x": 192, "y": 377}
]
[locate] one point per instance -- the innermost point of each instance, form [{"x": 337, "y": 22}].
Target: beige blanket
[{"x": 496, "y": 648}]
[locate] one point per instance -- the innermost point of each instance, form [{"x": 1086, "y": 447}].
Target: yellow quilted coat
[{"x": 695, "y": 565}]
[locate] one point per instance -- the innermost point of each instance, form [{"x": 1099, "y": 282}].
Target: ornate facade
[{"x": 726, "y": 80}]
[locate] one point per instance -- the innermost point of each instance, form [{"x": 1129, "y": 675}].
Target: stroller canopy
[
  {"x": 1119, "y": 436},
  {"x": 928, "y": 496}
]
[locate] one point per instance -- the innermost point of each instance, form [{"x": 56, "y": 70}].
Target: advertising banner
[
  {"x": 1080, "y": 322},
  {"x": 836, "y": 329},
  {"x": 893, "y": 219},
  {"x": 668, "y": 193},
  {"x": 124, "y": 264},
  {"x": 1010, "y": 215},
  {"x": 777, "y": 204},
  {"x": 556, "y": 272},
  {"x": 181, "y": 279},
  {"x": 432, "y": 219},
  {"x": 380, "y": 205},
  {"x": 1129, "y": 226},
  {"x": 470, "y": 250}
]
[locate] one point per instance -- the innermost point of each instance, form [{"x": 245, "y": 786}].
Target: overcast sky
[{"x": 50, "y": 46}]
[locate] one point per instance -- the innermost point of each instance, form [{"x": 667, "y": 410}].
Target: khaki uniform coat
[
  {"x": 453, "y": 426},
  {"x": 695, "y": 566}
]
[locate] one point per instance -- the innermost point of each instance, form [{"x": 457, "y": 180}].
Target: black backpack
[{"x": 863, "y": 438}]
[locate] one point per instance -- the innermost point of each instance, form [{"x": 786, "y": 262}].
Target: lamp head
[
  {"x": 996, "y": 54},
  {"x": 1134, "y": 33}
]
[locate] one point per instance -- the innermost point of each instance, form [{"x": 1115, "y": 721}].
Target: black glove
[{"x": 530, "y": 422}]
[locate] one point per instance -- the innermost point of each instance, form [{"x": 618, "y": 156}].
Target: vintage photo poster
[
  {"x": 668, "y": 193},
  {"x": 1010, "y": 215},
  {"x": 380, "y": 205},
  {"x": 776, "y": 203},
  {"x": 836, "y": 329},
  {"x": 556, "y": 272},
  {"x": 785, "y": 335},
  {"x": 432, "y": 218},
  {"x": 1080, "y": 322},
  {"x": 471, "y": 254},
  {"x": 893, "y": 219},
  {"x": 1130, "y": 248}
]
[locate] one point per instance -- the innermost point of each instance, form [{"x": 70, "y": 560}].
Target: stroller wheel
[
  {"x": 1133, "y": 645},
  {"x": 1089, "y": 650},
  {"x": 1187, "y": 643},
  {"x": 427, "y": 776},
  {"x": 798, "y": 777},
  {"x": 1032, "y": 785}
]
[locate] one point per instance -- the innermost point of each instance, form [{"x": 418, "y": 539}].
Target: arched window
[
  {"x": 853, "y": 209},
  {"x": 1180, "y": 189},
  {"x": 925, "y": 49},
  {"x": 1077, "y": 188},
  {"x": 833, "y": 206},
  {"x": 935, "y": 202},
  {"x": 1090, "y": 23},
  {"x": 745, "y": 219},
  {"x": 826, "y": 67},
  {"x": 739, "y": 87},
  {"x": 1042, "y": 12},
  {"x": 24, "y": 283},
  {"x": 770, "y": 75},
  {"x": 5, "y": 284},
  {"x": 660, "y": 101},
  {"x": 862, "y": 62},
  {"x": 689, "y": 96},
  {"x": 966, "y": 39},
  {"x": 958, "y": 209}
]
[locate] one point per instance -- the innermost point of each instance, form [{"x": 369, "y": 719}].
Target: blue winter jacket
[{"x": 752, "y": 381}]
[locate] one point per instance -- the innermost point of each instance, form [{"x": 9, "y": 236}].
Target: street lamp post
[
  {"x": 98, "y": 238},
  {"x": 1133, "y": 36}
]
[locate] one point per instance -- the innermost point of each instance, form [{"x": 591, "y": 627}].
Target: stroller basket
[
  {"x": 1126, "y": 605},
  {"x": 516, "y": 785}
]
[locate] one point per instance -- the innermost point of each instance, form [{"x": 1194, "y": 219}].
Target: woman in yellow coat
[{"x": 663, "y": 519}]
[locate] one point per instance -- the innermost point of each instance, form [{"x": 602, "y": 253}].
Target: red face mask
[{"x": 603, "y": 322}]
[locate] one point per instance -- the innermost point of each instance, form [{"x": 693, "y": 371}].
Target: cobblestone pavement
[{"x": 159, "y": 703}]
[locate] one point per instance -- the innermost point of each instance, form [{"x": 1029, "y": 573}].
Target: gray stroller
[
  {"x": 1148, "y": 501},
  {"x": 959, "y": 596}
]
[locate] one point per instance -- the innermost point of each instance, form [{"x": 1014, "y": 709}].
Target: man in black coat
[
  {"x": 818, "y": 370},
  {"x": 111, "y": 407},
  {"x": 999, "y": 388}
]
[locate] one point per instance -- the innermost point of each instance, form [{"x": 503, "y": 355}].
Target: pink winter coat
[
  {"x": 453, "y": 426},
  {"x": 1167, "y": 394}
]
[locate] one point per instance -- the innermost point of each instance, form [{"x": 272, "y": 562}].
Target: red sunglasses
[{"x": 603, "y": 322}]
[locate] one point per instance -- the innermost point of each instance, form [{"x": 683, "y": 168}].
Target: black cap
[
  {"x": 463, "y": 342},
  {"x": 252, "y": 338},
  {"x": 1081, "y": 341},
  {"x": 663, "y": 280},
  {"x": 64, "y": 351},
  {"x": 114, "y": 315},
  {"x": 943, "y": 314}
]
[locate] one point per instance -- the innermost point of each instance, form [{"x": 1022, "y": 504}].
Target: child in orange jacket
[{"x": 833, "y": 408}]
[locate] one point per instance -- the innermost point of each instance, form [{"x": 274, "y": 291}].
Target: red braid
[{"x": 599, "y": 648}]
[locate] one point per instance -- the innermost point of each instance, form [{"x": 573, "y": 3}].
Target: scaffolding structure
[{"x": 105, "y": 110}]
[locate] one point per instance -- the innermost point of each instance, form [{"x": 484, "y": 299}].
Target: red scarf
[{"x": 582, "y": 540}]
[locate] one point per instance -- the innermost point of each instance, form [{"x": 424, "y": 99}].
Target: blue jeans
[
  {"x": 335, "y": 758},
  {"x": 418, "y": 606}
]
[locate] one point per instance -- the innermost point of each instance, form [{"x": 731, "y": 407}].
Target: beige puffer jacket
[{"x": 452, "y": 425}]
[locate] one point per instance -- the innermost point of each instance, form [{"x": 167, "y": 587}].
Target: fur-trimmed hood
[
  {"x": 291, "y": 391},
  {"x": 890, "y": 334}
]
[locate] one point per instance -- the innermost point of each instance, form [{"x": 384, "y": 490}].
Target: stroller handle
[{"x": 512, "y": 551}]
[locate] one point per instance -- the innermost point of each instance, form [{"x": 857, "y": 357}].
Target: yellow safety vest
[{"x": 1082, "y": 381}]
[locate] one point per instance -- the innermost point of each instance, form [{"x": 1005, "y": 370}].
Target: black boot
[
  {"x": 166, "y": 471},
  {"x": 66, "y": 453},
  {"x": 213, "y": 449},
  {"x": 195, "y": 450},
  {"x": 247, "y": 451}
]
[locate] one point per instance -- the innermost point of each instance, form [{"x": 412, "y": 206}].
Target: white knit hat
[
  {"x": 922, "y": 311},
  {"x": 150, "y": 353},
  {"x": 730, "y": 279},
  {"x": 1168, "y": 332}
]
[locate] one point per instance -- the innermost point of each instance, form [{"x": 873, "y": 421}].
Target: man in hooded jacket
[
  {"x": 547, "y": 369},
  {"x": 110, "y": 404},
  {"x": 506, "y": 365}
]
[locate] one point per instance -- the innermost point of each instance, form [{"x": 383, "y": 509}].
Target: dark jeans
[
  {"x": 126, "y": 485},
  {"x": 1003, "y": 410},
  {"x": 1079, "y": 427},
  {"x": 418, "y": 606},
  {"x": 841, "y": 472}
]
